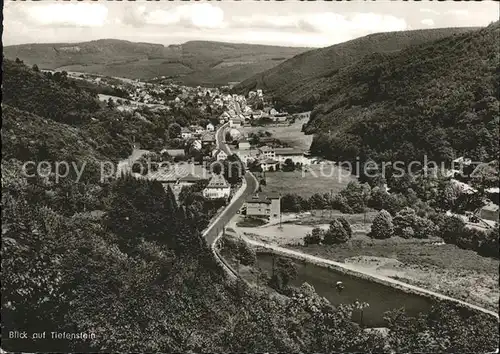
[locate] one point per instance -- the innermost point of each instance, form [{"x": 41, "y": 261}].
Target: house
[
  {"x": 197, "y": 129},
  {"x": 267, "y": 140},
  {"x": 264, "y": 205},
  {"x": 210, "y": 127},
  {"x": 217, "y": 188},
  {"x": 462, "y": 161},
  {"x": 174, "y": 153},
  {"x": 235, "y": 122},
  {"x": 208, "y": 139},
  {"x": 224, "y": 117},
  {"x": 297, "y": 156},
  {"x": 267, "y": 152},
  {"x": 269, "y": 165},
  {"x": 247, "y": 155},
  {"x": 243, "y": 144},
  {"x": 186, "y": 133},
  {"x": 219, "y": 155},
  {"x": 489, "y": 212},
  {"x": 196, "y": 144}
]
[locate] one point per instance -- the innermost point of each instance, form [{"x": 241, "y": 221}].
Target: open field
[
  {"x": 290, "y": 134},
  {"x": 317, "y": 179}
]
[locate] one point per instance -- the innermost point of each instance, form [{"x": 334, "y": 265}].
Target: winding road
[{"x": 249, "y": 186}]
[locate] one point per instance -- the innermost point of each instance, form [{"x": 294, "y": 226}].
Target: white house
[
  {"x": 219, "y": 155},
  {"x": 217, "y": 188},
  {"x": 282, "y": 154},
  {"x": 243, "y": 144},
  {"x": 186, "y": 133},
  {"x": 196, "y": 144},
  {"x": 210, "y": 127},
  {"x": 269, "y": 165},
  {"x": 267, "y": 152},
  {"x": 235, "y": 122},
  {"x": 247, "y": 155}
]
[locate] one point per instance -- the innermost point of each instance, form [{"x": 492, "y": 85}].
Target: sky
[{"x": 287, "y": 23}]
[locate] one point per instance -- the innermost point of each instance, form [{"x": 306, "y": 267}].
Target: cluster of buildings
[
  {"x": 178, "y": 176},
  {"x": 271, "y": 158}
]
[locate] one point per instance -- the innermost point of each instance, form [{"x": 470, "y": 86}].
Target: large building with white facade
[{"x": 217, "y": 188}]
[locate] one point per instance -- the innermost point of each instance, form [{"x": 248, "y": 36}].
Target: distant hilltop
[{"x": 191, "y": 63}]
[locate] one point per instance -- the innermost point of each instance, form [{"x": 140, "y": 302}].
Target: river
[{"x": 381, "y": 298}]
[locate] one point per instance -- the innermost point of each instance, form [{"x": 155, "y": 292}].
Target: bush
[
  {"x": 314, "y": 237},
  {"x": 336, "y": 234},
  {"x": 407, "y": 232},
  {"x": 382, "y": 226},
  {"x": 284, "y": 271},
  {"x": 403, "y": 220},
  {"x": 246, "y": 254}
]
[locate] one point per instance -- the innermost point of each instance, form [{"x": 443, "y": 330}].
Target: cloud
[
  {"x": 428, "y": 22},
  {"x": 430, "y": 11},
  {"x": 72, "y": 15},
  {"x": 199, "y": 15},
  {"x": 324, "y": 22}
]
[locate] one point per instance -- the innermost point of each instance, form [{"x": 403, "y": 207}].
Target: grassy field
[
  {"x": 290, "y": 135},
  {"x": 443, "y": 268},
  {"x": 305, "y": 184}
]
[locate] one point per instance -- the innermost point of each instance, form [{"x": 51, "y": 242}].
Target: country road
[{"x": 248, "y": 188}]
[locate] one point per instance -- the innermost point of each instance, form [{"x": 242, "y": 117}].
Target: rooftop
[
  {"x": 218, "y": 181},
  {"x": 176, "y": 172},
  {"x": 262, "y": 198},
  {"x": 208, "y": 137},
  {"x": 288, "y": 151},
  {"x": 175, "y": 152}
]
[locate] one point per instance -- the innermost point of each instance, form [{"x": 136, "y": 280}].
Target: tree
[
  {"x": 336, "y": 233},
  {"x": 451, "y": 228},
  {"x": 382, "y": 226},
  {"x": 35, "y": 68},
  {"x": 404, "y": 219},
  {"x": 315, "y": 237},
  {"x": 489, "y": 247},
  {"x": 174, "y": 130},
  {"x": 356, "y": 196},
  {"x": 346, "y": 225},
  {"x": 110, "y": 103},
  {"x": 291, "y": 203},
  {"x": 423, "y": 228},
  {"x": 317, "y": 201},
  {"x": 284, "y": 271},
  {"x": 246, "y": 254},
  {"x": 288, "y": 165}
]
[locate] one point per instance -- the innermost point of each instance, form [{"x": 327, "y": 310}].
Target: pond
[{"x": 381, "y": 298}]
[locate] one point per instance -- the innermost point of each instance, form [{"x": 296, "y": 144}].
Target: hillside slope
[
  {"x": 195, "y": 62},
  {"x": 299, "y": 82},
  {"x": 438, "y": 99}
]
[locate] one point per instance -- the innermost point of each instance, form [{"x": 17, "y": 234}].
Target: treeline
[
  {"x": 404, "y": 215},
  {"x": 439, "y": 99},
  {"x": 53, "y": 98}
]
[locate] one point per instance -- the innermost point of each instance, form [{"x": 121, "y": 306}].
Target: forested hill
[
  {"x": 439, "y": 99},
  {"x": 193, "y": 63},
  {"x": 304, "y": 80}
]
